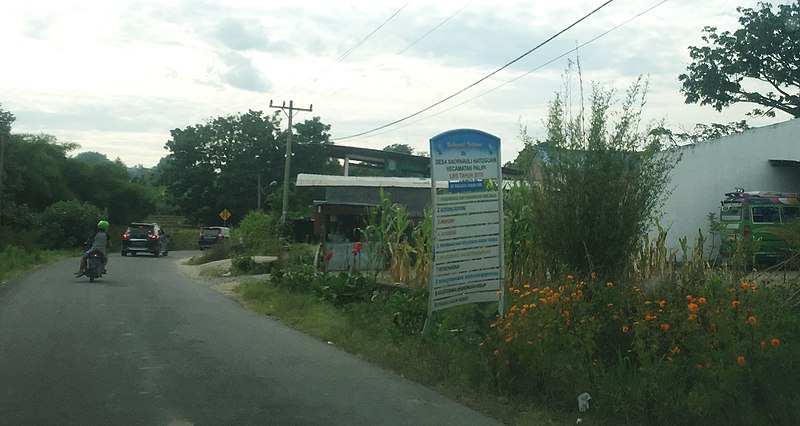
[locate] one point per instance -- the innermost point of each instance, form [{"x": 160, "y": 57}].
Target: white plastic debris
[{"x": 583, "y": 401}]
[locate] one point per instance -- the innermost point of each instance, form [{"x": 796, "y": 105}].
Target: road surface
[{"x": 146, "y": 345}]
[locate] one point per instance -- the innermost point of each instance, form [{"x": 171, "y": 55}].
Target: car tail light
[
  {"x": 219, "y": 235},
  {"x": 153, "y": 236},
  {"x": 125, "y": 236}
]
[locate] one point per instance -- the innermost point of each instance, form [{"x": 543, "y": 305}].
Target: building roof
[{"x": 305, "y": 179}]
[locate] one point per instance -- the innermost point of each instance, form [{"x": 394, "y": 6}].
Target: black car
[
  {"x": 211, "y": 235},
  {"x": 145, "y": 237}
]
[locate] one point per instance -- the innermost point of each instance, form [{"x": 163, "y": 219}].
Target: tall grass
[{"x": 14, "y": 260}]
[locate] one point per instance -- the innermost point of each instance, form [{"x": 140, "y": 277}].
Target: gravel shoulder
[{"x": 216, "y": 275}]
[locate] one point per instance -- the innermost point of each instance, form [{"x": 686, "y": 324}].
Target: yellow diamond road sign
[{"x": 225, "y": 214}]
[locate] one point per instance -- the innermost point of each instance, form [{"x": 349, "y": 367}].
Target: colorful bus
[{"x": 769, "y": 220}]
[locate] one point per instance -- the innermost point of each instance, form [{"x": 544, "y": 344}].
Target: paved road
[{"x": 148, "y": 346}]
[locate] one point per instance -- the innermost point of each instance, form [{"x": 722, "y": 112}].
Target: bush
[
  {"x": 258, "y": 233},
  {"x": 67, "y": 224},
  {"x": 712, "y": 352}
]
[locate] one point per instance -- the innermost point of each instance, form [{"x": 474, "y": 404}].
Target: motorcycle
[{"x": 94, "y": 265}]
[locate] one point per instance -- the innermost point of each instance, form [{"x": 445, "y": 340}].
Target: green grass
[
  {"x": 16, "y": 261},
  {"x": 442, "y": 362}
]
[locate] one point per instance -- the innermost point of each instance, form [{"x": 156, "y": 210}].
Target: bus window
[
  {"x": 790, "y": 214},
  {"x": 730, "y": 213},
  {"x": 766, "y": 214}
]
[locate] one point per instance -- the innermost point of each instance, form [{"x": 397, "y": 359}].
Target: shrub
[
  {"x": 709, "y": 352},
  {"x": 67, "y": 224},
  {"x": 258, "y": 233}
]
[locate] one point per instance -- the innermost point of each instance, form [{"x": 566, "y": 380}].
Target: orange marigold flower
[
  {"x": 480, "y": 345},
  {"x": 775, "y": 341},
  {"x": 701, "y": 300},
  {"x": 675, "y": 350},
  {"x": 624, "y": 328},
  {"x": 526, "y": 286},
  {"x": 662, "y": 303},
  {"x": 609, "y": 284},
  {"x": 583, "y": 321},
  {"x": 648, "y": 317},
  {"x": 693, "y": 308},
  {"x": 665, "y": 326},
  {"x": 740, "y": 360},
  {"x": 610, "y": 305},
  {"x": 751, "y": 320},
  {"x": 735, "y": 304},
  {"x": 594, "y": 274},
  {"x": 509, "y": 339},
  {"x": 543, "y": 300},
  {"x": 570, "y": 277},
  {"x": 516, "y": 291},
  {"x": 514, "y": 308},
  {"x": 763, "y": 344},
  {"x": 647, "y": 302},
  {"x": 496, "y": 352},
  {"x": 689, "y": 298},
  {"x": 692, "y": 317}
]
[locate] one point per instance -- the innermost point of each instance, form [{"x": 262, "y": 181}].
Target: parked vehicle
[
  {"x": 145, "y": 237},
  {"x": 212, "y": 235},
  {"x": 94, "y": 265},
  {"x": 770, "y": 220}
]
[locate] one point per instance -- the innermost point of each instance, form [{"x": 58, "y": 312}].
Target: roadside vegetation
[{"x": 653, "y": 335}]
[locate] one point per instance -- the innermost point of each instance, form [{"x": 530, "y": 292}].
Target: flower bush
[{"x": 717, "y": 352}]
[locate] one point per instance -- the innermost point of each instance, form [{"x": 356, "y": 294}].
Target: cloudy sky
[{"x": 117, "y": 76}]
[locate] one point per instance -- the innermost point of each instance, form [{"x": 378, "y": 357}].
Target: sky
[{"x": 116, "y": 76}]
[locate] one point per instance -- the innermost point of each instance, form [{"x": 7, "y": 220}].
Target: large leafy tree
[
  {"x": 217, "y": 165},
  {"x": 757, "y": 63}
]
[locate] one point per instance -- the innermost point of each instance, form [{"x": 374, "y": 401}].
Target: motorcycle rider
[{"x": 100, "y": 242}]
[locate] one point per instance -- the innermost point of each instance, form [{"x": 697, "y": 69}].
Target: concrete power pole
[{"x": 286, "y": 172}]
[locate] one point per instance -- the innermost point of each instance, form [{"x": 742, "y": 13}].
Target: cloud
[
  {"x": 241, "y": 73},
  {"x": 241, "y": 34}
]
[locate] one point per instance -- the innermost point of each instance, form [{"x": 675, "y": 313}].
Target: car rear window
[
  {"x": 141, "y": 230},
  {"x": 211, "y": 232}
]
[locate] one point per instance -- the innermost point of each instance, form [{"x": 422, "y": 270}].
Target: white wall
[{"x": 709, "y": 169}]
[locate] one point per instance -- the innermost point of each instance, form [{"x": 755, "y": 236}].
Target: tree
[
  {"x": 401, "y": 148},
  {"x": 92, "y": 157},
  {"x": 601, "y": 182},
  {"x": 217, "y": 165},
  {"x": 765, "y": 51}
]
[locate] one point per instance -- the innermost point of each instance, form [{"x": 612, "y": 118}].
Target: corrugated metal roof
[{"x": 305, "y": 179}]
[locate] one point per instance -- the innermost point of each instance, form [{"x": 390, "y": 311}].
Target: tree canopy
[
  {"x": 402, "y": 148},
  {"x": 758, "y": 63},
  {"x": 217, "y": 165}
]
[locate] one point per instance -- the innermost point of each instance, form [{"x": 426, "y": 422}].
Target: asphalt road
[{"x": 146, "y": 345}]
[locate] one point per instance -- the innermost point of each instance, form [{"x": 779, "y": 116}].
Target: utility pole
[{"x": 286, "y": 170}]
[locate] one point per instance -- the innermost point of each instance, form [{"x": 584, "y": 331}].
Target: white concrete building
[{"x": 761, "y": 159}]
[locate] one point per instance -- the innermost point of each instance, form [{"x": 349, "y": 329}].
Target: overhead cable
[
  {"x": 480, "y": 80},
  {"x": 575, "y": 49}
]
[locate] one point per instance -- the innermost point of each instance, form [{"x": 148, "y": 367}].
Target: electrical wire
[
  {"x": 575, "y": 49},
  {"x": 349, "y": 51},
  {"x": 480, "y": 80},
  {"x": 403, "y": 50}
]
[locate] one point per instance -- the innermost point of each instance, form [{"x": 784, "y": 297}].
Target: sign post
[
  {"x": 467, "y": 220},
  {"x": 225, "y": 215}
]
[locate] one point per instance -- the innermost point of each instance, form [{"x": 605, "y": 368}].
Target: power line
[
  {"x": 575, "y": 49},
  {"x": 403, "y": 50},
  {"x": 350, "y": 50},
  {"x": 482, "y": 79}
]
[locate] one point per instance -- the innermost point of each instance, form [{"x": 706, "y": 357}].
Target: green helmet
[{"x": 102, "y": 225}]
